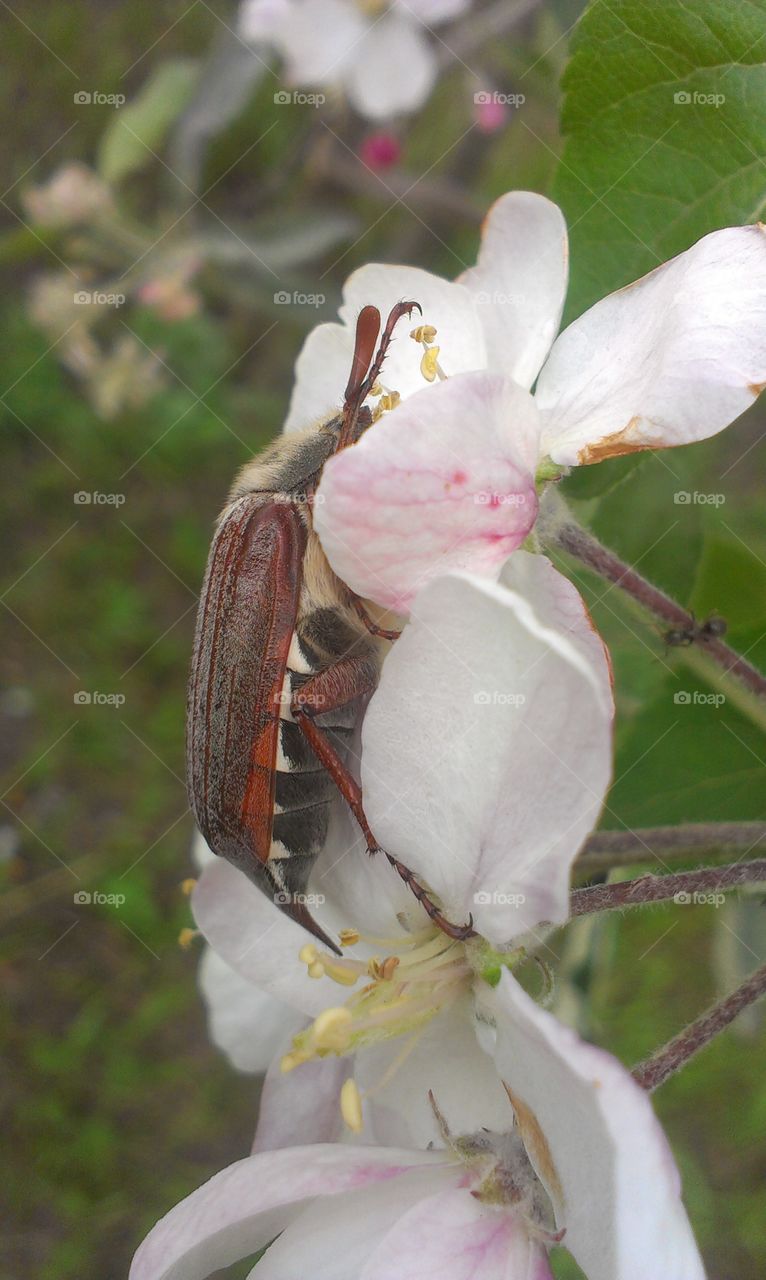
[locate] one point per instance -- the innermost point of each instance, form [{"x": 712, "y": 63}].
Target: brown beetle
[{"x": 285, "y": 657}]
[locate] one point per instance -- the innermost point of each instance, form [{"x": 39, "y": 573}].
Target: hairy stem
[
  {"x": 577, "y": 542},
  {"x": 681, "y": 885},
  {"x": 655, "y": 1070},
  {"x": 606, "y": 849}
]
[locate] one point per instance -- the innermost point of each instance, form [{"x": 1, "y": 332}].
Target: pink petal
[
  {"x": 454, "y": 1236},
  {"x": 245, "y": 1206},
  {"x": 444, "y": 482}
]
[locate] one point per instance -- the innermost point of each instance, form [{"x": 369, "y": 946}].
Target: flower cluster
[{"x": 422, "y": 1113}]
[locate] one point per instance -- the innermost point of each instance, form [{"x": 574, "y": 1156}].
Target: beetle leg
[
  {"x": 327, "y": 691},
  {"x": 371, "y": 626}
]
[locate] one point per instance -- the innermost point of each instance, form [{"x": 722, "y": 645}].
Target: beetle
[{"x": 285, "y": 659}]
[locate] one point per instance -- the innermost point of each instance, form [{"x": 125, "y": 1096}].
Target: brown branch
[
  {"x": 655, "y": 1070},
  {"x": 605, "y": 849},
  {"x": 577, "y": 542},
  {"x": 681, "y": 886}
]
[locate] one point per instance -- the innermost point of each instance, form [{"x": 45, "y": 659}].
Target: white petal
[
  {"x": 393, "y": 69},
  {"x": 319, "y": 40},
  {"x": 301, "y": 1107},
  {"x": 454, "y": 1236},
  {"x": 324, "y": 364},
  {"x": 619, "y": 1195},
  {"x": 321, "y": 373},
  {"x": 245, "y": 1206},
  {"x": 200, "y": 851},
  {"x": 245, "y": 1022},
  {"x": 446, "y": 306},
  {"x": 558, "y": 604},
  {"x": 445, "y": 481},
  {"x": 254, "y": 937},
  {"x": 432, "y": 12},
  {"x": 487, "y": 751},
  {"x": 332, "y": 1240},
  {"x": 519, "y": 282},
  {"x": 446, "y": 1056},
  {"x": 262, "y": 19},
  {"x": 673, "y": 358}
]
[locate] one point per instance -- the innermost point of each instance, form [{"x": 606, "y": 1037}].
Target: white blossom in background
[
  {"x": 381, "y": 56},
  {"x": 586, "y": 1165}
]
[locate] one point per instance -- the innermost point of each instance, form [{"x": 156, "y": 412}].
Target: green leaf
[
  {"x": 139, "y": 129},
  {"x": 664, "y": 118}
]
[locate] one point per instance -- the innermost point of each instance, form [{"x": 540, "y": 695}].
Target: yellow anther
[
  {"x": 376, "y": 389},
  {"x": 429, "y": 365},
  {"x": 423, "y": 333},
  {"x": 186, "y": 938},
  {"x": 351, "y": 1106},
  {"x": 330, "y": 1029},
  {"x": 187, "y": 886},
  {"x": 349, "y": 937},
  {"x": 290, "y": 1061},
  {"x": 346, "y": 977},
  {"x": 389, "y": 401},
  {"x": 317, "y": 969},
  {"x": 389, "y": 967},
  {"x": 308, "y": 954}
]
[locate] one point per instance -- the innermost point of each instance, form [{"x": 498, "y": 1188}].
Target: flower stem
[
  {"x": 655, "y": 1070},
  {"x": 577, "y": 542},
  {"x": 681, "y": 885},
  {"x": 606, "y": 849}
]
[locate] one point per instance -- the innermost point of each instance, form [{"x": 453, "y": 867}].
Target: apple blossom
[
  {"x": 486, "y": 754},
  {"x": 585, "y": 1164},
  {"x": 381, "y": 57},
  {"x": 447, "y": 474}
]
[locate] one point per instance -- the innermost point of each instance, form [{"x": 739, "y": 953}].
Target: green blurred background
[{"x": 115, "y": 1103}]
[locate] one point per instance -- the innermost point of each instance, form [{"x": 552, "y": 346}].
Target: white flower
[
  {"x": 380, "y": 54},
  {"x": 486, "y": 754},
  {"x": 593, "y": 1171},
  {"x": 443, "y": 480}
]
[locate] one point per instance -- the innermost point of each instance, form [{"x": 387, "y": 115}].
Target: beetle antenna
[{"x": 367, "y": 363}]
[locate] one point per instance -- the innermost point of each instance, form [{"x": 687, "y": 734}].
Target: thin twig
[
  {"x": 655, "y": 1070},
  {"x": 683, "y": 886},
  {"x": 700, "y": 840},
  {"x": 577, "y": 542}
]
